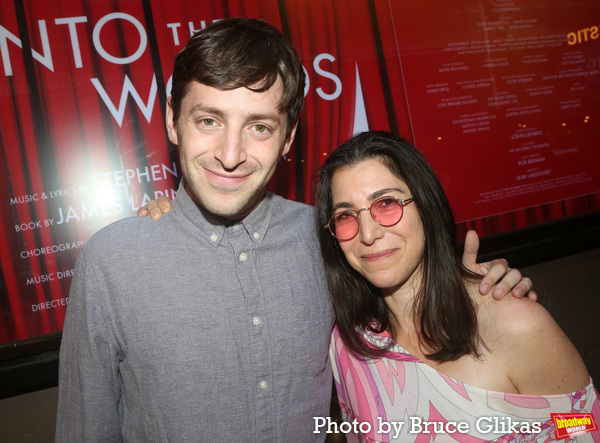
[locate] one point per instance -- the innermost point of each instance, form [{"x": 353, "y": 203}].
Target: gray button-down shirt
[{"x": 183, "y": 330}]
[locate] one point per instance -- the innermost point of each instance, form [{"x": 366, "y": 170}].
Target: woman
[{"x": 417, "y": 354}]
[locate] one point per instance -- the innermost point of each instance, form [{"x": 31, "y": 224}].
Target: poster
[
  {"x": 501, "y": 97},
  {"x": 503, "y": 100}
]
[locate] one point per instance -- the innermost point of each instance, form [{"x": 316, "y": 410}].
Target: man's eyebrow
[
  {"x": 266, "y": 116},
  {"x": 201, "y": 108}
]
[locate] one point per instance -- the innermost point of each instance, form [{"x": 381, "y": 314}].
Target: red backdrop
[{"x": 502, "y": 97}]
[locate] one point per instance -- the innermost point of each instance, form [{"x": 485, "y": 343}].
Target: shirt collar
[{"x": 213, "y": 228}]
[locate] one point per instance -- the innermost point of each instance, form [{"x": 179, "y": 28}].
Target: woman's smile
[{"x": 379, "y": 256}]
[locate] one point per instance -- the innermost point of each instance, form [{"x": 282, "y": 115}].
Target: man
[{"x": 212, "y": 323}]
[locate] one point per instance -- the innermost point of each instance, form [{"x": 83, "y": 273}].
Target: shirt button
[
  {"x": 256, "y": 235},
  {"x": 236, "y": 227},
  {"x": 243, "y": 256},
  {"x": 263, "y": 385},
  {"x": 256, "y": 321},
  {"x": 214, "y": 237}
]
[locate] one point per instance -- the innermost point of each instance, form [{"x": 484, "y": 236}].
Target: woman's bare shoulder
[{"x": 538, "y": 356}]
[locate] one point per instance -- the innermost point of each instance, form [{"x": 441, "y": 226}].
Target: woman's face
[{"x": 389, "y": 257}]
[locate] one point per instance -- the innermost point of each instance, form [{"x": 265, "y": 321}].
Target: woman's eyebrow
[
  {"x": 342, "y": 205},
  {"x": 373, "y": 196},
  {"x": 381, "y": 192}
]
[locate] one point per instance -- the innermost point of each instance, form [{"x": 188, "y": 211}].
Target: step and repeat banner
[{"x": 501, "y": 96}]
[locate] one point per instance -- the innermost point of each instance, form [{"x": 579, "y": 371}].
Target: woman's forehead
[{"x": 363, "y": 179}]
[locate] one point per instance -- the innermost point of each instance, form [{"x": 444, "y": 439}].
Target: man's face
[{"x": 229, "y": 145}]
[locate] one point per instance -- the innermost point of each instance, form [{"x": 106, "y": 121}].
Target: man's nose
[{"x": 231, "y": 151}]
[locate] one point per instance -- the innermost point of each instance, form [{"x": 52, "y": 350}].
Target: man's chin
[
  {"x": 224, "y": 205},
  {"x": 223, "y": 209}
]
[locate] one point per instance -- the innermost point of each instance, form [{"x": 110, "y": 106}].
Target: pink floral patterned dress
[{"x": 401, "y": 399}]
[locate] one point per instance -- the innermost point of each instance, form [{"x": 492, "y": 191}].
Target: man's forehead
[
  {"x": 200, "y": 95},
  {"x": 276, "y": 88}
]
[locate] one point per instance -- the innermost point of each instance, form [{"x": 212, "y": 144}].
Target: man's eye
[
  {"x": 260, "y": 128},
  {"x": 207, "y": 122}
]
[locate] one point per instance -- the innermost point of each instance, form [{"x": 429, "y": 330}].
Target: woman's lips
[{"x": 381, "y": 255}]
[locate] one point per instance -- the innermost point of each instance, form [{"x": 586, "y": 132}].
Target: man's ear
[
  {"x": 171, "y": 125},
  {"x": 288, "y": 142}
]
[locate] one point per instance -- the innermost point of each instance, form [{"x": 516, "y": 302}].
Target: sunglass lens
[
  {"x": 345, "y": 225},
  {"x": 387, "y": 211}
]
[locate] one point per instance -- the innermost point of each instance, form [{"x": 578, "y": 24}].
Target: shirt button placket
[{"x": 258, "y": 349}]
